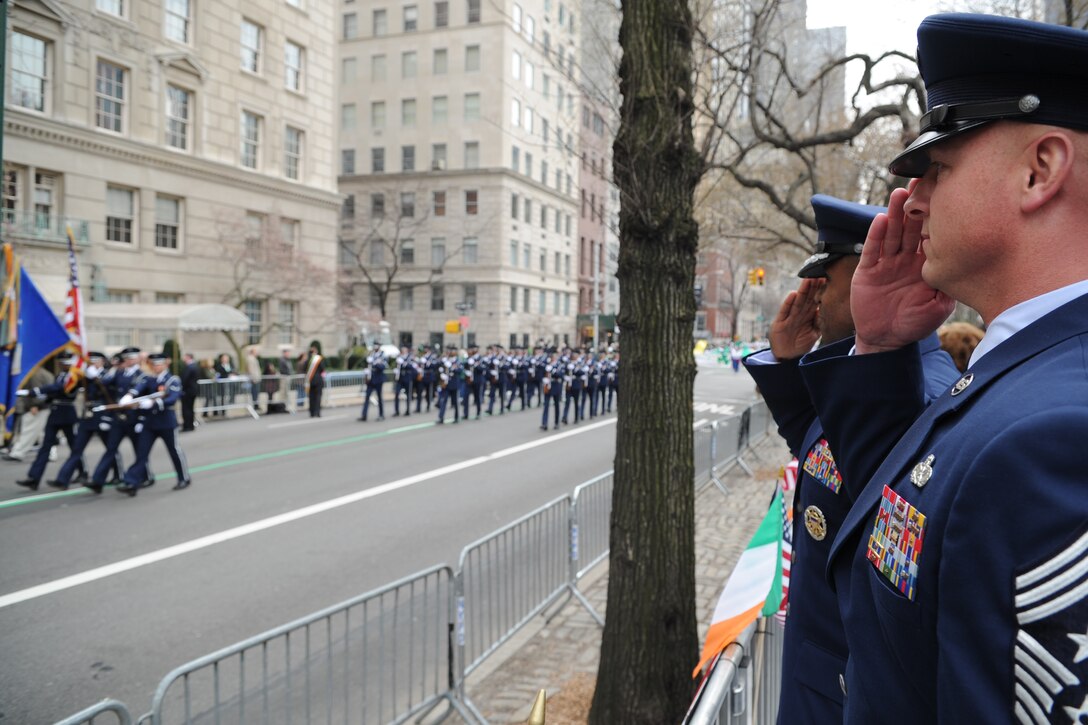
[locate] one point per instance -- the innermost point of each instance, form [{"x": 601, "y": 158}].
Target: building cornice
[{"x": 45, "y": 130}]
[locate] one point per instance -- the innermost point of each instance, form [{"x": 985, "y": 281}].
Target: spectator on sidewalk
[
  {"x": 253, "y": 370},
  {"x": 190, "y": 386}
]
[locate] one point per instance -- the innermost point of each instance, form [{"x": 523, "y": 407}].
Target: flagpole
[{"x": 3, "y": 71}]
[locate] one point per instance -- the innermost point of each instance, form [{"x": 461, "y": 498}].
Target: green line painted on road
[{"x": 84, "y": 491}]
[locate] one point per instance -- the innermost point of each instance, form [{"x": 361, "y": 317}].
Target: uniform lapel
[{"x": 1063, "y": 323}]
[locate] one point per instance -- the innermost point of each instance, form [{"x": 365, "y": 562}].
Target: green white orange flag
[{"x": 754, "y": 587}]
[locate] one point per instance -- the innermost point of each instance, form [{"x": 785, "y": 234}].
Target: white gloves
[
  {"x": 146, "y": 404},
  {"x": 125, "y": 399},
  {"x": 93, "y": 372},
  {"x": 22, "y": 393}
]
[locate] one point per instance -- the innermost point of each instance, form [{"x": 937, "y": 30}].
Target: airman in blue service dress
[
  {"x": 552, "y": 384},
  {"x": 156, "y": 420},
  {"x": 92, "y": 424},
  {"x": 405, "y": 376},
  {"x": 962, "y": 568},
  {"x": 814, "y": 649},
  {"x": 373, "y": 378},
  {"x": 62, "y": 420}
]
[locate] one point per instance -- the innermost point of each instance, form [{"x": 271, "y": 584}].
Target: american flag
[
  {"x": 787, "y": 557},
  {"x": 73, "y": 312}
]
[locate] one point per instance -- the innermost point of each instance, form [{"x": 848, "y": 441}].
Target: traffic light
[
  {"x": 753, "y": 278},
  {"x": 759, "y": 276}
]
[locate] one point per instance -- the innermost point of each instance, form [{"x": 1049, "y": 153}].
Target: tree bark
[{"x": 650, "y": 641}]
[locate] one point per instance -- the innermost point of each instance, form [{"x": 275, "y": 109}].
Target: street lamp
[{"x": 464, "y": 307}]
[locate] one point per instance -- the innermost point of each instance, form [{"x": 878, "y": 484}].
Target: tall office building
[
  {"x": 191, "y": 154},
  {"x": 458, "y": 126}
]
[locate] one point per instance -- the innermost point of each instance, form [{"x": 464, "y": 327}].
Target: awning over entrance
[{"x": 187, "y": 318}]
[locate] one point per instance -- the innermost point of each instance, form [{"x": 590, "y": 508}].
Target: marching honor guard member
[
  {"x": 814, "y": 649},
  {"x": 61, "y": 394},
  {"x": 552, "y": 384},
  {"x": 94, "y": 423},
  {"x": 962, "y": 568},
  {"x": 406, "y": 375},
  {"x": 155, "y": 419},
  {"x": 373, "y": 377}
]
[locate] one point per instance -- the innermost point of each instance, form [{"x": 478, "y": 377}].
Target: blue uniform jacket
[
  {"x": 160, "y": 416},
  {"x": 988, "y": 620},
  {"x": 814, "y": 650}
]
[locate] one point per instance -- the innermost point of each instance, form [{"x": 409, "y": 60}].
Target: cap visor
[{"x": 913, "y": 161}]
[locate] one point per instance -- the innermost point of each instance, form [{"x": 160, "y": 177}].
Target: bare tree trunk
[{"x": 650, "y": 641}]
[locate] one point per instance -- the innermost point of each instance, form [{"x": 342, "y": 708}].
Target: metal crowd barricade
[
  {"x": 506, "y": 579},
  {"x": 89, "y": 715},
  {"x": 379, "y": 657},
  {"x": 744, "y": 686},
  {"x": 223, "y": 394},
  {"x": 343, "y": 384}
]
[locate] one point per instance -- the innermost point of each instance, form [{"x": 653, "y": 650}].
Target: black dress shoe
[
  {"x": 150, "y": 482},
  {"x": 82, "y": 477},
  {"x": 57, "y": 484},
  {"x": 126, "y": 489},
  {"x": 180, "y": 485},
  {"x": 31, "y": 483},
  {"x": 543, "y": 427},
  {"x": 361, "y": 419},
  {"x": 94, "y": 487}
]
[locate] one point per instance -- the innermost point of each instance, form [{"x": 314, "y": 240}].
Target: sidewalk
[{"x": 562, "y": 656}]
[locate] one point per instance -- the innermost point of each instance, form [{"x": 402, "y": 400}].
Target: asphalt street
[{"x": 100, "y": 596}]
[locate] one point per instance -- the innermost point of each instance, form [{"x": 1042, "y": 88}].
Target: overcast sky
[{"x": 873, "y": 26}]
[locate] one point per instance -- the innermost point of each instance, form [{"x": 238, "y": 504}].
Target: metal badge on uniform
[
  {"x": 922, "y": 472},
  {"x": 820, "y": 464},
  {"x": 895, "y": 544},
  {"x": 815, "y": 523},
  {"x": 962, "y": 383}
]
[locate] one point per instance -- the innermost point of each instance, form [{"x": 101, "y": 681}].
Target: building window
[
  {"x": 513, "y": 302},
  {"x": 515, "y": 158},
  {"x": 347, "y": 161},
  {"x": 408, "y": 112},
  {"x": 541, "y": 300},
  {"x": 109, "y": 92},
  {"x": 178, "y": 104},
  {"x": 169, "y": 298},
  {"x": 178, "y": 17},
  {"x": 438, "y": 297},
  {"x": 113, "y": 7},
  {"x": 288, "y": 312},
  {"x": 528, "y": 164},
  {"x": 381, "y": 23},
  {"x": 377, "y": 206},
  {"x": 377, "y": 114},
  {"x": 407, "y": 158},
  {"x": 470, "y": 250},
  {"x": 167, "y": 221},
  {"x": 527, "y": 120},
  {"x": 515, "y": 18},
  {"x": 514, "y": 206},
  {"x": 513, "y": 253},
  {"x": 439, "y": 110},
  {"x": 347, "y": 117},
  {"x": 254, "y": 231},
  {"x": 527, "y": 256},
  {"x": 515, "y": 66},
  {"x": 251, "y": 139},
  {"x": 377, "y": 68},
  {"x": 543, "y": 216},
  {"x": 408, "y": 64},
  {"x": 472, "y": 154},
  {"x": 439, "y": 203},
  {"x": 441, "y": 14},
  {"x": 377, "y": 160},
  {"x": 473, "y": 11},
  {"x": 347, "y": 211},
  {"x": 411, "y": 18},
  {"x": 289, "y": 232},
  {"x": 120, "y": 212},
  {"x": 544, "y": 173},
  {"x": 252, "y": 310},
  {"x": 438, "y": 156},
  {"x": 566, "y": 265},
  {"x": 408, "y": 251},
  {"x": 555, "y": 303},
  {"x": 293, "y": 56},
  {"x": 472, "y": 58},
  {"x": 407, "y": 299},
  {"x": 468, "y": 295},
  {"x": 251, "y": 46},
  {"x": 44, "y": 185},
  {"x": 472, "y": 107},
  {"x": 438, "y": 252},
  {"x": 29, "y": 71},
  {"x": 525, "y": 299},
  {"x": 377, "y": 252},
  {"x": 566, "y": 304},
  {"x": 292, "y": 153},
  {"x": 530, "y": 29},
  {"x": 117, "y": 295},
  {"x": 528, "y": 211},
  {"x": 515, "y": 112},
  {"x": 441, "y": 62},
  {"x": 350, "y": 26},
  {"x": 557, "y": 260},
  {"x": 11, "y": 194},
  {"x": 471, "y": 202},
  {"x": 349, "y": 70},
  {"x": 408, "y": 204}
]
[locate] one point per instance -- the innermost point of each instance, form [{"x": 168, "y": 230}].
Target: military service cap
[{"x": 842, "y": 228}]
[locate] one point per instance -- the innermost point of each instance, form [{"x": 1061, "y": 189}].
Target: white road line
[
  {"x": 203, "y": 542},
  {"x": 307, "y": 421}
]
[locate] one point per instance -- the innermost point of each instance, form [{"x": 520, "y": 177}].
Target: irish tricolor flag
[{"x": 754, "y": 587}]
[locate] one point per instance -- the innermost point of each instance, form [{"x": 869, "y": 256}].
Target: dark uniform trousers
[
  {"x": 814, "y": 647},
  {"x": 990, "y": 621}
]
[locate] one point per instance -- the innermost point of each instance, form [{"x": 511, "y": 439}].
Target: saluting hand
[
  {"x": 891, "y": 304},
  {"x": 794, "y": 329}
]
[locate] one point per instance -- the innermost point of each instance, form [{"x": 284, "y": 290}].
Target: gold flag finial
[{"x": 536, "y": 715}]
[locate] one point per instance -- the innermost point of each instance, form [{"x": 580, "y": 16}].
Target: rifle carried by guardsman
[{"x": 128, "y": 404}]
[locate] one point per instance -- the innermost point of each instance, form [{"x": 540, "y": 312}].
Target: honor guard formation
[
  {"x": 122, "y": 402},
  {"x": 467, "y": 383}
]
